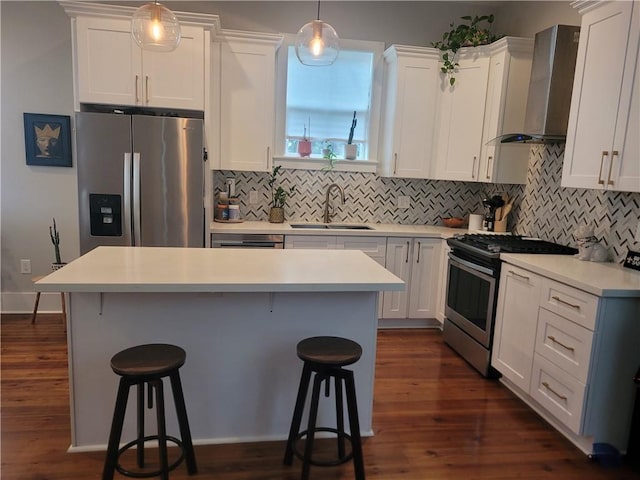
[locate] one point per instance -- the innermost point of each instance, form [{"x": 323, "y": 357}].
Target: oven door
[{"x": 471, "y": 298}]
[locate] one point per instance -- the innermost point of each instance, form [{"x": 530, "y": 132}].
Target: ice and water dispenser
[{"x": 106, "y": 215}]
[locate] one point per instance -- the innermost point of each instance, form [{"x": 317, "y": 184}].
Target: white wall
[
  {"x": 36, "y": 78},
  {"x": 36, "y": 74}
]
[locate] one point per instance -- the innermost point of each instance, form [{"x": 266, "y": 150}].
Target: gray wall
[{"x": 36, "y": 77}]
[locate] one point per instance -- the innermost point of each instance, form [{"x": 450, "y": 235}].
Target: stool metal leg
[
  {"x": 162, "y": 429},
  {"x": 339, "y": 416},
  {"x": 311, "y": 427},
  {"x": 111, "y": 459},
  {"x": 35, "y": 308},
  {"x": 354, "y": 424},
  {"x": 140, "y": 444},
  {"x": 183, "y": 422},
  {"x": 297, "y": 413}
]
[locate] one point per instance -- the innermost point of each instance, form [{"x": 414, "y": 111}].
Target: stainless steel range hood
[{"x": 554, "y": 62}]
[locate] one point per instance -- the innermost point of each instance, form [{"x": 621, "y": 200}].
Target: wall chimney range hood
[{"x": 554, "y": 62}]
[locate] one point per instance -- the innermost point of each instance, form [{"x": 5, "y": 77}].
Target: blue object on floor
[{"x": 606, "y": 455}]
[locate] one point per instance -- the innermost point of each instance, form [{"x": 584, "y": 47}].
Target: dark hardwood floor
[{"x": 434, "y": 418}]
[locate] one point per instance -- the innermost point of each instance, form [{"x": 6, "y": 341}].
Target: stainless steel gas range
[{"x": 472, "y": 290}]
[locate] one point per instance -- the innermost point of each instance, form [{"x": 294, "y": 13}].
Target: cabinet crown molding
[
  {"x": 409, "y": 50},
  {"x": 76, "y": 8},
  {"x": 274, "y": 39}
]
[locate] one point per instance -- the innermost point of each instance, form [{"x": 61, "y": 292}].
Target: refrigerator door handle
[
  {"x": 126, "y": 194},
  {"x": 136, "y": 199}
]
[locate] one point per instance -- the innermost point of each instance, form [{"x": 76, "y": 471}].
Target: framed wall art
[{"x": 47, "y": 139}]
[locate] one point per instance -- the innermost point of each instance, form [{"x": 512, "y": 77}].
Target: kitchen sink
[{"x": 330, "y": 226}]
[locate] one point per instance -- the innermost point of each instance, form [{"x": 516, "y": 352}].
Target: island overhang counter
[{"x": 238, "y": 314}]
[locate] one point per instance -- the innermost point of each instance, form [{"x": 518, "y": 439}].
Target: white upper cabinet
[
  {"x": 461, "y": 117},
  {"x": 246, "y": 100},
  {"x": 508, "y": 88},
  {"x": 488, "y": 99},
  {"x": 602, "y": 150},
  {"x": 112, "y": 69},
  {"x": 411, "y": 83}
]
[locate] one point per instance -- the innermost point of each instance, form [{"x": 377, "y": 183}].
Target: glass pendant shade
[
  {"x": 317, "y": 44},
  {"x": 155, "y": 27}
]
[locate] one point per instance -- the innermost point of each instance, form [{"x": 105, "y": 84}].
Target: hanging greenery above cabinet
[{"x": 464, "y": 35}]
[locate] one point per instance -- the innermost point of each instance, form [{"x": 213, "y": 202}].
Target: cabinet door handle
[
  {"x": 395, "y": 163},
  {"x": 546, "y": 385},
  {"x": 268, "y": 158},
  {"x": 559, "y": 300},
  {"x": 519, "y": 275},
  {"x": 418, "y": 259},
  {"x": 137, "y": 96},
  {"x": 488, "y": 165},
  {"x": 553, "y": 339},
  {"x": 614, "y": 153},
  {"x": 146, "y": 88},
  {"x": 473, "y": 167},
  {"x": 600, "y": 180},
  {"x": 406, "y": 260}
]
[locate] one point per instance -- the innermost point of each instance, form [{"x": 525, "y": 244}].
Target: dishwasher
[{"x": 245, "y": 240}]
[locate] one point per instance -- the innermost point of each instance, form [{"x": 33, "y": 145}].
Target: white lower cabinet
[
  {"x": 569, "y": 354},
  {"x": 417, "y": 262}
]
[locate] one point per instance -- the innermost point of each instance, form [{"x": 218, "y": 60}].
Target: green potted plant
[
  {"x": 472, "y": 34},
  {"x": 328, "y": 154},
  {"x": 351, "y": 150},
  {"x": 55, "y": 239},
  {"x": 278, "y": 197}
]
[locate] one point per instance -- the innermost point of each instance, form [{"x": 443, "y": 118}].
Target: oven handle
[{"x": 472, "y": 266}]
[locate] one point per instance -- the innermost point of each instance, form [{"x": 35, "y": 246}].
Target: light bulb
[
  {"x": 156, "y": 30},
  {"x": 316, "y": 46}
]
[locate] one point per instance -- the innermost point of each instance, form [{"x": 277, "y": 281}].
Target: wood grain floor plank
[{"x": 434, "y": 418}]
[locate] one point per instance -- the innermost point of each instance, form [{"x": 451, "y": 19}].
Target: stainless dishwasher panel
[{"x": 242, "y": 240}]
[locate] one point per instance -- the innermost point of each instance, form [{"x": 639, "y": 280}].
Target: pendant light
[
  {"x": 155, "y": 27},
  {"x": 317, "y": 43}
]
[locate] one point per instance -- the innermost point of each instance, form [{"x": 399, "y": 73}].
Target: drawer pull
[
  {"x": 546, "y": 385},
  {"x": 518, "y": 275},
  {"x": 553, "y": 339},
  {"x": 558, "y": 299}
]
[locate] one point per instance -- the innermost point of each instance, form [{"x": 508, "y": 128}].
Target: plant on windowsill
[
  {"x": 471, "y": 35},
  {"x": 55, "y": 239},
  {"x": 278, "y": 197},
  {"x": 351, "y": 150},
  {"x": 327, "y": 153}
]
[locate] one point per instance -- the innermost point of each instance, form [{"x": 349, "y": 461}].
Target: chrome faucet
[{"x": 327, "y": 215}]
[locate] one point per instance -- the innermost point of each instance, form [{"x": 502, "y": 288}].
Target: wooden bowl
[{"x": 453, "y": 222}]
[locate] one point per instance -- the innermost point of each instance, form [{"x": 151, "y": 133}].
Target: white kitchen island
[{"x": 238, "y": 314}]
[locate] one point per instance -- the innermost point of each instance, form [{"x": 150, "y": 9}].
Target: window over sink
[{"x": 318, "y": 104}]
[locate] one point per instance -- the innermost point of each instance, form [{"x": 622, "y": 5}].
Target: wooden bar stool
[
  {"x": 148, "y": 365},
  {"x": 35, "y": 307},
  {"x": 325, "y": 356}
]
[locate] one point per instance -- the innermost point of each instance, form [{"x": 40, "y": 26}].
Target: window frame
[{"x": 363, "y": 165}]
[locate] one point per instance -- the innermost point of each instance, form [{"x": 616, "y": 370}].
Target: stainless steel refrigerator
[{"x": 140, "y": 180}]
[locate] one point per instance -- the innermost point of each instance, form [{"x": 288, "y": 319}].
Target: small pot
[
  {"x": 57, "y": 266},
  {"x": 350, "y": 151},
  {"x": 276, "y": 215},
  {"x": 304, "y": 148}
]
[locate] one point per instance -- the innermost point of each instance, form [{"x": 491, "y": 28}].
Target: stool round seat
[
  {"x": 332, "y": 351},
  {"x": 148, "y": 360}
]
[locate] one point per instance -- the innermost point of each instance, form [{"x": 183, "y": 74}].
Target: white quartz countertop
[
  {"x": 376, "y": 229},
  {"x": 159, "y": 269},
  {"x": 602, "y": 279}
]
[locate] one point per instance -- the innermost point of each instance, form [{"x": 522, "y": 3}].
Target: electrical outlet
[
  {"x": 403, "y": 201},
  {"x": 253, "y": 197},
  {"x": 638, "y": 232},
  {"x": 25, "y": 265},
  {"x": 231, "y": 186}
]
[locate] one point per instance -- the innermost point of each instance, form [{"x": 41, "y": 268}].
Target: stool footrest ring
[
  {"x": 327, "y": 463},
  {"x": 155, "y": 473}
]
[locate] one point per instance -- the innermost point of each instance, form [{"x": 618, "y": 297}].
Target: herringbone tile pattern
[{"x": 542, "y": 208}]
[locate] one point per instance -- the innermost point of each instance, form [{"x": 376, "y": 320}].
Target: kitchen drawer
[
  {"x": 578, "y": 306},
  {"x": 558, "y": 392},
  {"x": 375, "y": 247},
  {"x": 564, "y": 343}
]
